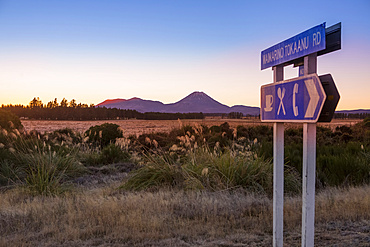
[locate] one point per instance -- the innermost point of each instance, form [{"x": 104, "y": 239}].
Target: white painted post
[
  {"x": 309, "y": 168},
  {"x": 278, "y": 193}
]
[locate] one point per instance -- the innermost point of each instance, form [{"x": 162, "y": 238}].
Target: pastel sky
[{"x": 92, "y": 50}]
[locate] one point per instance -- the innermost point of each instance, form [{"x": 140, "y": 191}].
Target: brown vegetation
[
  {"x": 138, "y": 127},
  {"x": 106, "y": 217},
  {"x": 195, "y": 199}
]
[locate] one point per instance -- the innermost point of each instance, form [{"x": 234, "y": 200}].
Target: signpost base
[
  {"x": 308, "y": 193},
  {"x": 278, "y": 194}
]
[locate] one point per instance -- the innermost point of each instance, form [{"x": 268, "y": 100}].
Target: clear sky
[{"x": 92, "y": 50}]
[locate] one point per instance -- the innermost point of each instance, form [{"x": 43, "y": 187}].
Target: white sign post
[{"x": 309, "y": 168}]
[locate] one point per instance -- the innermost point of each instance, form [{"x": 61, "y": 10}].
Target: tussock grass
[
  {"x": 170, "y": 218},
  {"x": 39, "y": 168},
  {"x": 203, "y": 169}
]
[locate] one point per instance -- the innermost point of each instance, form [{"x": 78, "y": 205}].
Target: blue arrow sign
[
  {"x": 296, "y": 100},
  {"x": 307, "y": 42}
]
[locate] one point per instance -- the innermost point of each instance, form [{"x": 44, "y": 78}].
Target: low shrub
[
  {"x": 103, "y": 135},
  {"x": 9, "y": 120},
  {"x": 112, "y": 154},
  {"x": 9, "y": 173},
  {"x": 367, "y": 122}
]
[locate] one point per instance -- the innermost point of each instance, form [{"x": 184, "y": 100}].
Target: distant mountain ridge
[
  {"x": 358, "y": 111},
  {"x": 194, "y": 102}
]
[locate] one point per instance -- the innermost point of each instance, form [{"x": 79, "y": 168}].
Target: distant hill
[
  {"x": 359, "y": 111},
  {"x": 194, "y": 102}
]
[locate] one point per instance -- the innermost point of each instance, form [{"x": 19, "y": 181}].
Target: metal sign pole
[
  {"x": 309, "y": 168},
  {"x": 278, "y": 193}
]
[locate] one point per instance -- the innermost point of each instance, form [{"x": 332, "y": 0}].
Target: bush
[
  {"x": 9, "y": 172},
  {"x": 103, "y": 135},
  {"x": 9, "y": 120},
  {"x": 113, "y": 154},
  {"x": 367, "y": 122}
]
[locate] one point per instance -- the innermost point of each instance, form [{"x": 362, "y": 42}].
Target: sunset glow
[{"x": 91, "y": 51}]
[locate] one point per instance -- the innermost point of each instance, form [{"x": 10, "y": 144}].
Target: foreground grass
[{"x": 106, "y": 217}]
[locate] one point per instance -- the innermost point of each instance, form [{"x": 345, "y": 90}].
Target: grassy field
[
  {"x": 102, "y": 216},
  {"x": 138, "y": 127},
  {"x": 176, "y": 183}
]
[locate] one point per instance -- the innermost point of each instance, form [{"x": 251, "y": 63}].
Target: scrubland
[
  {"x": 192, "y": 185},
  {"x": 106, "y": 217},
  {"x": 138, "y": 127}
]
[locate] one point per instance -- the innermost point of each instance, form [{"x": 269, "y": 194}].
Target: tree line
[
  {"x": 70, "y": 110},
  {"x": 351, "y": 115}
]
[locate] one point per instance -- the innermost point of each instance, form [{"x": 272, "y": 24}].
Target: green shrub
[
  {"x": 103, "y": 135},
  {"x": 344, "y": 169},
  {"x": 90, "y": 158},
  {"x": 112, "y": 154},
  {"x": 367, "y": 122},
  {"x": 9, "y": 172},
  {"x": 9, "y": 120}
]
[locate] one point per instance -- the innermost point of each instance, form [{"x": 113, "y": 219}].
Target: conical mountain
[{"x": 198, "y": 102}]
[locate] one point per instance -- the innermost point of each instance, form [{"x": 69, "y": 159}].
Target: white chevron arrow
[{"x": 314, "y": 98}]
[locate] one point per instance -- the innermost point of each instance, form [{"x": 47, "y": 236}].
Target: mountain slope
[
  {"x": 198, "y": 102},
  {"x": 137, "y": 104},
  {"x": 194, "y": 102}
]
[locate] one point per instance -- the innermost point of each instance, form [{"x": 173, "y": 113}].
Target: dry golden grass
[
  {"x": 106, "y": 217},
  {"x": 138, "y": 127}
]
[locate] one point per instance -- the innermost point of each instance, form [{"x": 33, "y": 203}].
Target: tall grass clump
[
  {"x": 158, "y": 172},
  {"x": 226, "y": 170},
  {"x": 205, "y": 169},
  {"x": 40, "y": 168},
  {"x": 47, "y": 171}
]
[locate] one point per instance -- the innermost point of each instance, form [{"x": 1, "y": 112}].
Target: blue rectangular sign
[
  {"x": 307, "y": 42},
  {"x": 295, "y": 100}
]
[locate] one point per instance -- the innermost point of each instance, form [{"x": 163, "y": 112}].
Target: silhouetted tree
[
  {"x": 64, "y": 103},
  {"x": 73, "y": 103}
]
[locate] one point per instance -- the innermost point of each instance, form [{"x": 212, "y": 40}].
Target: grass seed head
[{"x": 155, "y": 143}]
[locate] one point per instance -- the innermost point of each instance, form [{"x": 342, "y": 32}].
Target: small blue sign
[
  {"x": 307, "y": 42},
  {"x": 295, "y": 100}
]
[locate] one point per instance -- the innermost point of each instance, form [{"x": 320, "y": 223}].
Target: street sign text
[{"x": 307, "y": 42}]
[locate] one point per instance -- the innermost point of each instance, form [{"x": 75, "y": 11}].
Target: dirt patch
[{"x": 104, "y": 175}]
